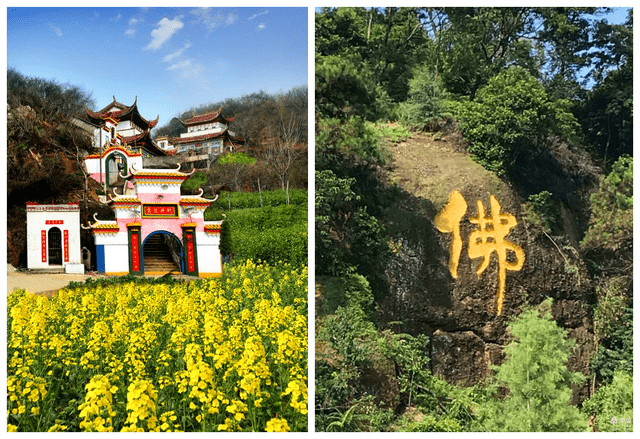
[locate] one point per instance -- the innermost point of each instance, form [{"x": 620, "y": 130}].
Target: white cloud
[
  {"x": 116, "y": 18},
  {"x": 212, "y": 20},
  {"x": 131, "y": 30},
  {"x": 182, "y": 65},
  {"x": 165, "y": 30},
  {"x": 231, "y": 18},
  {"x": 56, "y": 30},
  {"x": 191, "y": 72},
  {"x": 177, "y": 53},
  {"x": 260, "y": 27},
  {"x": 257, "y": 15}
]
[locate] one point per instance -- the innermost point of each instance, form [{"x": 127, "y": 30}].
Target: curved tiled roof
[
  {"x": 179, "y": 140},
  {"x": 207, "y": 117},
  {"x": 123, "y": 111},
  {"x": 144, "y": 139}
]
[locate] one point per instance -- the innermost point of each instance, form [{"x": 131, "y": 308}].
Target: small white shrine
[
  {"x": 53, "y": 237},
  {"x": 157, "y": 230}
]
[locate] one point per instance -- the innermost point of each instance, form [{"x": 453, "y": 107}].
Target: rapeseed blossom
[{"x": 226, "y": 354}]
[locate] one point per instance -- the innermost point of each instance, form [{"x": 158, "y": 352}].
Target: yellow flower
[{"x": 277, "y": 425}]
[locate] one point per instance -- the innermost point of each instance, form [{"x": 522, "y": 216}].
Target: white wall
[{"x": 37, "y": 218}]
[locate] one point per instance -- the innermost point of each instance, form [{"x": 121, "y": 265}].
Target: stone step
[{"x": 157, "y": 256}]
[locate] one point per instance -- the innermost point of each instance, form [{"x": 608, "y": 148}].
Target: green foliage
[
  {"x": 348, "y": 143},
  {"x": 612, "y": 404},
  {"x": 195, "y": 182},
  {"x": 347, "y": 290},
  {"x": 391, "y": 132},
  {"x": 238, "y": 158},
  {"x": 425, "y": 101},
  {"x": 364, "y": 59},
  {"x": 349, "y": 348},
  {"x": 511, "y": 116},
  {"x": 542, "y": 211},
  {"x": 428, "y": 424},
  {"x": 346, "y": 235},
  {"x": 611, "y": 225},
  {"x": 535, "y": 372},
  {"x": 270, "y": 234},
  {"x": 245, "y": 200},
  {"x": 613, "y": 324},
  {"x": 607, "y": 116},
  {"x": 344, "y": 87}
]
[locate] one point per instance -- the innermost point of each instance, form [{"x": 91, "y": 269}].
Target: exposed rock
[
  {"x": 459, "y": 314},
  {"x": 459, "y": 357}
]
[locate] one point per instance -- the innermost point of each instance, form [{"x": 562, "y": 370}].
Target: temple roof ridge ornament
[
  {"x": 195, "y": 200},
  {"x": 101, "y": 226},
  {"x": 121, "y": 198},
  {"x": 122, "y": 110}
]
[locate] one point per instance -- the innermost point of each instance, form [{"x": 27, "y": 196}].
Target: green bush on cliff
[
  {"x": 535, "y": 372},
  {"x": 510, "y": 117},
  {"x": 612, "y": 405},
  {"x": 611, "y": 225}
]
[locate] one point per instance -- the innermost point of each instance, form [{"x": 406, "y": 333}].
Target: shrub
[
  {"x": 347, "y": 143},
  {"x": 425, "y": 101},
  {"x": 270, "y": 234},
  {"x": 195, "y": 182},
  {"x": 611, "y": 225},
  {"x": 510, "y": 117},
  {"x": 541, "y": 210},
  {"x": 535, "y": 372},
  {"x": 612, "y": 405},
  {"x": 241, "y": 158}
]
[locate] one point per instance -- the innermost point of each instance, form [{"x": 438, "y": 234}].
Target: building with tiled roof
[
  {"x": 156, "y": 230},
  {"x": 207, "y": 136},
  {"x": 121, "y": 124}
]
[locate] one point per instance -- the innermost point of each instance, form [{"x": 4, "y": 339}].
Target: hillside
[{"x": 459, "y": 315}]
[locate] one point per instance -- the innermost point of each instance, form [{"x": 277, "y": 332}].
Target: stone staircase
[{"x": 157, "y": 257}]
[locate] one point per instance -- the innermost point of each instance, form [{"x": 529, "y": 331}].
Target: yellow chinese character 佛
[{"x": 489, "y": 238}]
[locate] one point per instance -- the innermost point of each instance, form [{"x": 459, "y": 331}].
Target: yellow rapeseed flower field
[{"x": 226, "y": 354}]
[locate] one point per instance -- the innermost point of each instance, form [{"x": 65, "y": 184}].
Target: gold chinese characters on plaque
[{"x": 483, "y": 242}]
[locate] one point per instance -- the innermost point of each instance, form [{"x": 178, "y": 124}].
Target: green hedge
[
  {"x": 244, "y": 200},
  {"x": 271, "y": 234}
]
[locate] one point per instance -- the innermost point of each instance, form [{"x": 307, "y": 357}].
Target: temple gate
[{"x": 157, "y": 230}]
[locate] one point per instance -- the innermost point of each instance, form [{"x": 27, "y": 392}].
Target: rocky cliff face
[{"x": 460, "y": 313}]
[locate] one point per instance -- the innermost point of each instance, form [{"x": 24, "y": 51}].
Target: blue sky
[{"x": 172, "y": 59}]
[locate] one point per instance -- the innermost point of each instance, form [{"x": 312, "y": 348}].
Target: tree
[
  {"x": 233, "y": 167},
  {"x": 536, "y": 375},
  {"x": 607, "y": 118},
  {"x": 346, "y": 235},
  {"x": 511, "y": 118},
  {"x": 425, "y": 99},
  {"x": 282, "y": 151}
]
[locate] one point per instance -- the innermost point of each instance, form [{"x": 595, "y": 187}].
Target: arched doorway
[
  {"x": 162, "y": 253},
  {"x": 55, "y": 246},
  {"x": 114, "y": 164}
]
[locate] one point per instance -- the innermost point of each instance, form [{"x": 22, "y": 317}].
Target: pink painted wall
[{"x": 150, "y": 225}]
